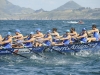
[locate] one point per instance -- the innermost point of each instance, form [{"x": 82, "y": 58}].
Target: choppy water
[{"x": 83, "y": 63}]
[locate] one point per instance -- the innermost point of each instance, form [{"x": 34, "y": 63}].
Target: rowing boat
[
  {"x": 60, "y": 48},
  {"x": 77, "y": 47},
  {"x": 21, "y": 50}
]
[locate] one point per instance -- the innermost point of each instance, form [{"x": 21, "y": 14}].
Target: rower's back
[
  {"x": 7, "y": 43},
  {"x": 55, "y": 35}
]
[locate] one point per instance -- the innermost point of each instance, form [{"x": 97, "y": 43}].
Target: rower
[
  {"x": 38, "y": 34},
  {"x": 73, "y": 34},
  {"x": 47, "y": 38},
  {"x": 1, "y": 38},
  {"x": 6, "y": 43},
  {"x": 30, "y": 40},
  {"x": 83, "y": 36},
  {"x": 66, "y": 38},
  {"x": 55, "y": 35},
  {"x": 95, "y": 32},
  {"x": 18, "y": 38},
  {"x": 39, "y": 37}
]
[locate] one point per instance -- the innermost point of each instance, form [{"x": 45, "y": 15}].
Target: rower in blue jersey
[
  {"x": 95, "y": 32},
  {"x": 73, "y": 34},
  {"x": 83, "y": 36},
  {"x": 7, "y": 41},
  {"x": 18, "y": 39},
  {"x": 47, "y": 38},
  {"x": 30, "y": 40},
  {"x": 66, "y": 38},
  {"x": 55, "y": 35}
]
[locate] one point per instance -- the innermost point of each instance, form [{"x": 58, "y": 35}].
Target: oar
[
  {"x": 37, "y": 53},
  {"x": 17, "y": 54},
  {"x": 56, "y": 50}
]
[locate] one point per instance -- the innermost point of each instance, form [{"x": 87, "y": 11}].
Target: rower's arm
[
  {"x": 81, "y": 36},
  {"x": 90, "y": 31},
  {"x": 64, "y": 38},
  {"x": 72, "y": 34},
  {"x": 53, "y": 34},
  {"x": 8, "y": 41},
  {"x": 46, "y": 39},
  {"x": 96, "y": 30},
  {"x": 1, "y": 38},
  {"x": 28, "y": 40},
  {"x": 58, "y": 37},
  {"x": 17, "y": 36},
  {"x": 36, "y": 36},
  {"x": 14, "y": 36},
  {"x": 25, "y": 37}
]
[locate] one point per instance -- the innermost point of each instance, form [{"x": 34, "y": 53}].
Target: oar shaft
[
  {"x": 17, "y": 54},
  {"x": 37, "y": 53}
]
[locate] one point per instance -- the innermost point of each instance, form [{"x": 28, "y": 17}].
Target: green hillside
[
  {"x": 9, "y": 8},
  {"x": 68, "y": 6},
  {"x": 68, "y": 11}
]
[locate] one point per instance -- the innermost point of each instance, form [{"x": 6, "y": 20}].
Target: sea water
[{"x": 82, "y": 63}]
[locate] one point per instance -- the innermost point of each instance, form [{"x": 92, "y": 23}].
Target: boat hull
[
  {"x": 77, "y": 47},
  {"x": 22, "y": 50},
  {"x": 61, "y": 48}
]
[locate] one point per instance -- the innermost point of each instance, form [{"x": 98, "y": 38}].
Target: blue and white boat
[
  {"x": 26, "y": 50},
  {"x": 77, "y": 47},
  {"x": 60, "y": 48}
]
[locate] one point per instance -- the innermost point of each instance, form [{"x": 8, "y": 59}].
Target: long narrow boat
[
  {"x": 77, "y": 47},
  {"x": 22, "y": 50},
  {"x": 61, "y": 48}
]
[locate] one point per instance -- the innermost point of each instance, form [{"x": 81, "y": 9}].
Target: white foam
[
  {"x": 83, "y": 53},
  {"x": 35, "y": 57}
]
